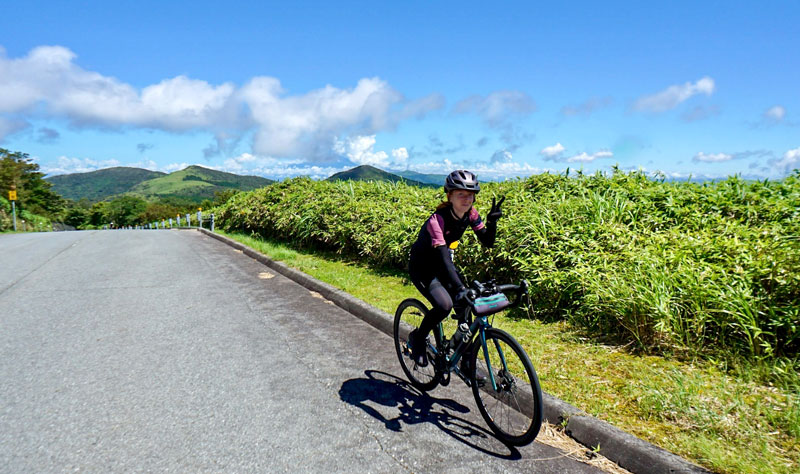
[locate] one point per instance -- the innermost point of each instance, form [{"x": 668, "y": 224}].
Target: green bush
[{"x": 708, "y": 269}]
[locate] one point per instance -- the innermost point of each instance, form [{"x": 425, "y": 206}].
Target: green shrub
[{"x": 707, "y": 269}]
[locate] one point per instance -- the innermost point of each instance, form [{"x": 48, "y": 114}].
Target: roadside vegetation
[{"x": 670, "y": 309}]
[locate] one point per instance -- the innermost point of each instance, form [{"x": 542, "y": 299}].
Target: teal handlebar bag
[{"x": 490, "y": 304}]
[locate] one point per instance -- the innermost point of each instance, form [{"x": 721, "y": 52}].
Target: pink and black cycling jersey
[
  {"x": 429, "y": 255},
  {"x": 443, "y": 228}
]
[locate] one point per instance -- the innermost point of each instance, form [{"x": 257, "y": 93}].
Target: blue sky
[{"x": 706, "y": 89}]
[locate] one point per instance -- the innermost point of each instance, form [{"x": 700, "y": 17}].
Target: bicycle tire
[
  {"x": 514, "y": 410},
  {"x": 408, "y": 316}
]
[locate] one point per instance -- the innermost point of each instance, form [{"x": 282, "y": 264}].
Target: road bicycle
[{"x": 494, "y": 365}]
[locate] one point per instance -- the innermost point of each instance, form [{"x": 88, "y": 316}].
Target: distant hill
[
  {"x": 370, "y": 173},
  {"x": 100, "y": 184},
  {"x": 435, "y": 179},
  {"x": 196, "y": 183}
]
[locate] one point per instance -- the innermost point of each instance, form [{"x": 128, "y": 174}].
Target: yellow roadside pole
[{"x": 12, "y": 196}]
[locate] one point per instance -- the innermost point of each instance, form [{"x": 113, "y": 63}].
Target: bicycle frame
[{"x": 478, "y": 330}]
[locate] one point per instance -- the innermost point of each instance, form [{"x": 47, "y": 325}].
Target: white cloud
[
  {"x": 66, "y": 165},
  {"x": 789, "y": 162},
  {"x": 551, "y": 151},
  {"x": 400, "y": 156},
  {"x": 48, "y": 84},
  {"x": 776, "y": 113},
  {"x": 674, "y": 95},
  {"x": 498, "y": 107},
  {"x": 308, "y": 124},
  {"x": 584, "y": 157},
  {"x": 555, "y": 153},
  {"x": 484, "y": 170},
  {"x": 360, "y": 151},
  {"x": 48, "y": 81},
  {"x": 712, "y": 157},
  {"x": 170, "y": 167}
]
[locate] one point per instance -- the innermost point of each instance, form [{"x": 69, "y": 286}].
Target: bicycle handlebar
[{"x": 491, "y": 288}]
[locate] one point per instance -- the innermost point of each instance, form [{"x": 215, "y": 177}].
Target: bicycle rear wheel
[
  {"x": 408, "y": 317},
  {"x": 511, "y": 399}
]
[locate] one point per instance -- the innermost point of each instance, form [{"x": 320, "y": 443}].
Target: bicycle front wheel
[
  {"x": 511, "y": 399},
  {"x": 409, "y": 316}
]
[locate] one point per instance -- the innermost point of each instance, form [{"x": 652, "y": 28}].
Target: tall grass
[{"x": 710, "y": 270}]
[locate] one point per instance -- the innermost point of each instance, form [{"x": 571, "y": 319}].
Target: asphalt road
[{"x": 170, "y": 351}]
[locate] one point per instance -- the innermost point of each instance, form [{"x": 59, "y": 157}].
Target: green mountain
[
  {"x": 196, "y": 183},
  {"x": 100, "y": 184},
  {"x": 370, "y": 173},
  {"x": 436, "y": 179}
]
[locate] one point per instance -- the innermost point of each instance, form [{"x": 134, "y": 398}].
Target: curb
[{"x": 628, "y": 451}]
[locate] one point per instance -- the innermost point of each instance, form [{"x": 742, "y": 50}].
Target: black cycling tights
[{"x": 442, "y": 303}]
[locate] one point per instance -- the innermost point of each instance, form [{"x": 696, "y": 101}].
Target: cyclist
[{"x": 431, "y": 267}]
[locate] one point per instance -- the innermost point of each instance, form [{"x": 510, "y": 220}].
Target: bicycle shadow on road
[{"x": 413, "y": 407}]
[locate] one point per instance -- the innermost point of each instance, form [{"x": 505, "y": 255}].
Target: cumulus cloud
[
  {"x": 498, "y": 107},
  {"x": 712, "y": 157},
  {"x": 722, "y": 157},
  {"x": 789, "y": 161},
  {"x": 48, "y": 80},
  {"x": 556, "y": 153},
  {"x": 67, "y": 165},
  {"x": 584, "y": 157},
  {"x": 672, "y": 96},
  {"x": 552, "y": 151},
  {"x": 47, "y": 83},
  {"x": 276, "y": 169},
  {"x": 486, "y": 170},
  {"x": 361, "y": 151},
  {"x": 400, "y": 156}
]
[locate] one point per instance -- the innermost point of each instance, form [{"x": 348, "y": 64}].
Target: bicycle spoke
[{"x": 512, "y": 404}]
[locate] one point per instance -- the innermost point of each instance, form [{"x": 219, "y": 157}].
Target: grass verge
[{"x": 725, "y": 422}]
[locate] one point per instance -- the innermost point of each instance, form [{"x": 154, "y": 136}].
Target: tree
[
  {"x": 157, "y": 210},
  {"x": 125, "y": 210},
  {"x": 34, "y": 194}
]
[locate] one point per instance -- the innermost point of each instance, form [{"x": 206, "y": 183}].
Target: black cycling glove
[
  {"x": 495, "y": 212},
  {"x": 462, "y": 295}
]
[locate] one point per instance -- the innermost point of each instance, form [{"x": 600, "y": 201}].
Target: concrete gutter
[{"x": 630, "y": 452}]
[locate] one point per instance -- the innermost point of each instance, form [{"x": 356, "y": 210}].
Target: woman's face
[{"x": 462, "y": 200}]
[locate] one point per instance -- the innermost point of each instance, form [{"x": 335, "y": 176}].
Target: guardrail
[{"x": 177, "y": 222}]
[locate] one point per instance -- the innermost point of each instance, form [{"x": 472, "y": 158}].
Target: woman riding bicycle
[{"x": 431, "y": 267}]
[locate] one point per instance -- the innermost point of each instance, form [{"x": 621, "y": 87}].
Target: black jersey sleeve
[
  {"x": 487, "y": 234},
  {"x": 449, "y": 273}
]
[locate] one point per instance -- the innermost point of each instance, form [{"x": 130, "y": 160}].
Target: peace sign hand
[{"x": 495, "y": 212}]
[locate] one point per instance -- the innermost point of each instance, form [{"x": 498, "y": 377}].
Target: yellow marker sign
[{"x": 12, "y": 195}]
